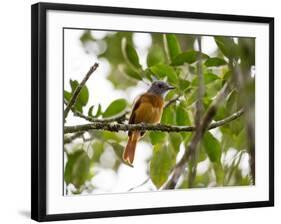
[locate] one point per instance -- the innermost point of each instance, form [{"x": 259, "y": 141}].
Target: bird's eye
[{"x": 160, "y": 85}]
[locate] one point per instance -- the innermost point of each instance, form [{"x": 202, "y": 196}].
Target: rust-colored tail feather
[{"x": 129, "y": 152}]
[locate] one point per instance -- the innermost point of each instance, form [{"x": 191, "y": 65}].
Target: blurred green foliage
[
  {"x": 162, "y": 162},
  {"x": 83, "y": 97},
  {"x": 174, "y": 58}
]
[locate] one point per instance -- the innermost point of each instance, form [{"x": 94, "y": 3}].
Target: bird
[{"x": 148, "y": 108}]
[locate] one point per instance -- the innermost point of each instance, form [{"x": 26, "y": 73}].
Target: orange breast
[{"x": 149, "y": 109}]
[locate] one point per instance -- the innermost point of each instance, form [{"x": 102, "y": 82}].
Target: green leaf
[
  {"x": 215, "y": 62},
  {"x": 90, "y": 111},
  {"x": 86, "y": 37},
  {"x": 112, "y": 136},
  {"x": 170, "y": 95},
  {"x": 77, "y": 168},
  {"x": 84, "y": 93},
  {"x": 212, "y": 147},
  {"x": 227, "y": 75},
  {"x": 172, "y": 46},
  {"x": 147, "y": 74},
  {"x": 219, "y": 172},
  {"x": 113, "y": 54},
  {"x": 67, "y": 95},
  {"x": 183, "y": 84},
  {"x": 162, "y": 70},
  {"x": 233, "y": 140},
  {"x": 188, "y": 57},
  {"x": 99, "y": 111},
  {"x": 114, "y": 47},
  {"x": 176, "y": 139},
  {"x": 168, "y": 116},
  {"x": 98, "y": 148},
  {"x": 155, "y": 56},
  {"x": 202, "y": 153},
  {"x": 237, "y": 125},
  {"x": 202, "y": 180},
  {"x": 116, "y": 107},
  {"x": 161, "y": 164},
  {"x": 245, "y": 181},
  {"x": 207, "y": 102},
  {"x": 73, "y": 84},
  {"x": 130, "y": 72},
  {"x": 208, "y": 78},
  {"x": 83, "y": 97},
  {"x": 157, "y": 137},
  {"x": 213, "y": 88},
  {"x": 247, "y": 52},
  {"x": 234, "y": 127},
  {"x": 227, "y": 46},
  {"x": 193, "y": 69},
  {"x": 130, "y": 54},
  {"x": 192, "y": 97},
  {"x": 221, "y": 113},
  {"x": 232, "y": 102},
  {"x": 241, "y": 140},
  {"x": 118, "y": 149},
  {"x": 182, "y": 117}
]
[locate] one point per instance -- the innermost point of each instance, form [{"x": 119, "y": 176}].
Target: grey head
[{"x": 160, "y": 88}]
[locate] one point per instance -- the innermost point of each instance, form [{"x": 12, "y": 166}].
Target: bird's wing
[
  {"x": 147, "y": 108},
  {"x": 137, "y": 103},
  {"x": 134, "y": 118}
]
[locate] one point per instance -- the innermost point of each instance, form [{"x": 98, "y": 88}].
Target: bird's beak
[{"x": 170, "y": 87}]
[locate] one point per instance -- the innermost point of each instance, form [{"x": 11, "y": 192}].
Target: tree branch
[
  {"x": 78, "y": 89},
  {"x": 172, "y": 101},
  {"x": 140, "y": 185},
  {"x": 115, "y": 127}
]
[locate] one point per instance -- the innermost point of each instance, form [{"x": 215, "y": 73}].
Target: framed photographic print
[{"x": 138, "y": 111}]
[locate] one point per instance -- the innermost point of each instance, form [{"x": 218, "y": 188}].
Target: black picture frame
[{"x": 39, "y": 121}]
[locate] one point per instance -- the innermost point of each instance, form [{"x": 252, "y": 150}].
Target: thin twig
[
  {"x": 143, "y": 183},
  {"x": 172, "y": 101},
  {"x": 115, "y": 127},
  {"x": 78, "y": 89}
]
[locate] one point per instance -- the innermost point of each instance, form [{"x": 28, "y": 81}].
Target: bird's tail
[{"x": 129, "y": 152}]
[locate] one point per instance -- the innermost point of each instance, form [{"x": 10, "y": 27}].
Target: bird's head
[{"x": 160, "y": 87}]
